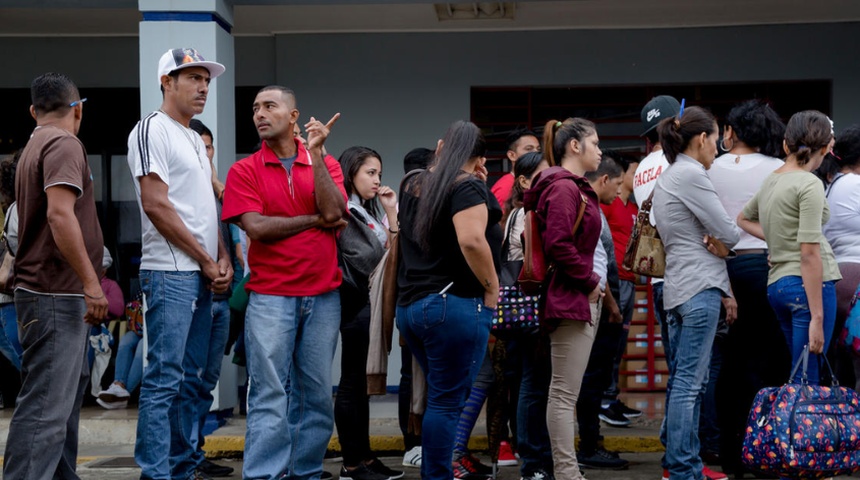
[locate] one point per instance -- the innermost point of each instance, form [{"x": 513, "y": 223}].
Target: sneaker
[
  {"x": 114, "y": 393},
  {"x": 412, "y": 458},
  {"x": 360, "y": 472},
  {"x": 665, "y": 474},
  {"x": 613, "y": 416},
  {"x": 506, "y": 455},
  {"x": 112, "y": 405},
  {"x": 199, "y": 475},
  {"x": 627, "y": 411},
  {"x": 713, "y": 474},
  {"x": 470, "y": 468},
  {"x": 377, "y": 466},
  {"x": 601, "y": 459},
  {"x": 539, "y": 475},
  {"x": 214, "y": 470}
]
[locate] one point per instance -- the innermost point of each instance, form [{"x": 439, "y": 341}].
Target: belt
[{"x": 751, "y": 251}]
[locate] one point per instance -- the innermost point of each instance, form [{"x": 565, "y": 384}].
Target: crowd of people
[{"x": 761, "y": 249}]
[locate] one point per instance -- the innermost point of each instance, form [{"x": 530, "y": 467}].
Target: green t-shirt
[{"x": 791, "y": 208}]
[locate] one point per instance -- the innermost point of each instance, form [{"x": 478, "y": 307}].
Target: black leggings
[{"x": 351, "y": 409}]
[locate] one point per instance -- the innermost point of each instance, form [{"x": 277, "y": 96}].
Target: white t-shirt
[
  {"x": 645, "y": 178},
  {"x": 843, "y": 229},
  {"x": 160, "y": 145},
  {"x": 737, "y": 181},
  {"x": 600, "y": 256}
]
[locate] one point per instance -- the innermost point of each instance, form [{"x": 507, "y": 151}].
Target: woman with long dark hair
[
  {"x": 448, "y": 282},
  {"x": 788, "y": 212},
  {"x": 362, "y": 180},
  {"x": 752, "y": 139},
  {"x": 692, "y": 223},
  {"x": 571, "y": 305}
]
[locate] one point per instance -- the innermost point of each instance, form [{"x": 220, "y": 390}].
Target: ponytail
[
  {"x": 676, "y": 133},
  {"x": 557, "y": 134},
  {"x": 807, "y": 132}
]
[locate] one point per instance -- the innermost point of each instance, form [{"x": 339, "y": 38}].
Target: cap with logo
[
  {"x": 179, "y": 58},
  {"x": 660, "y": 107}
]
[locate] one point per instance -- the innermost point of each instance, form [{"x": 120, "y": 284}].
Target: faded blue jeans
[
  {"x": 692, "y": 326},
  {"x": 10, "y": 346},
  {"x": 290, "y": 344},
  {"x": 129, "y": 361},
  {"x": 788, "y": 299},
  {"x": 448, "y": 336},
  {"x": 177, "y": 319}
]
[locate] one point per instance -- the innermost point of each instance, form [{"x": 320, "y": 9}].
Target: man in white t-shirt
[{"x": 183, "y": 262}]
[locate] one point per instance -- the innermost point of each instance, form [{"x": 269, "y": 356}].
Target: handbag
[
  {"x": 359, "y": 251},
  {"x": 535, "y": 268},
  {"x": 517, "y": 311},
  {"x": 7, "y": 265},
  {"x": 645, "y": 254},
  {"x": 804, "y": 431}
]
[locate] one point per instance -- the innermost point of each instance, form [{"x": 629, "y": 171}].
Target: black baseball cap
[{"x": 658, "y": 108}]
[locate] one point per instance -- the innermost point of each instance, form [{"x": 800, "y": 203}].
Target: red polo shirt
[
  {"x": 304, "y": 264},
  {"x": 502, "y": 188},
  {"x": 621, "y": 218}
]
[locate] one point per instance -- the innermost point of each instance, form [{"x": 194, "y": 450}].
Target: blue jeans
[
  {"x": 788, "y": 299},
  {"x": 215, "y": 344},
  {"x": 692, "y": 326},
  {"x": 10, "y": 347},
  {"x": 290, "y": 344},
  {"x": 532, "y": 435},
  {"x": 178, "y": 319},
  {"x": 129, "y": 361},
  {"x": 448, "y": 336}
]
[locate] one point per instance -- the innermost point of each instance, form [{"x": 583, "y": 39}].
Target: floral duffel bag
[{"x": 804, "y": 431}]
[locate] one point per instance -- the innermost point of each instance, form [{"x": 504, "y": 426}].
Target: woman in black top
[{"x": 448, "y": 282}]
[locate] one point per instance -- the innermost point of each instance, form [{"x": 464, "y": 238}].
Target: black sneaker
[
  {"x": 214, "y": 470},
  {"x": 467, "y": 467},
  {"x": 538, "y": 475},
  {"x": 360, "y": 472},
  {"x": 601, "y": 459},
  {"x": 627, "y": 411},
  {"x": 377, "y": 466},
  {"x": 199, "y": 475},
  {"x": 613, "y": 416}
]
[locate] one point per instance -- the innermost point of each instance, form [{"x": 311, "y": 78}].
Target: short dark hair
[
  {"x": 174, "y": 75},
  {"x": 200, "y": 128},
  {"x": 676, "y": 133},
  {"x": 515, "y": 136},
  {"x": 847, "y": 147},
  {"x": 8, "y": 167},
  {"x": 417, "y": 158},
  {"x": 610, "y": 164},
  {"x": 52, "y": 92},
  {"x": 286, "y": 92},
  {"x": 756, "y": 124},
  {"x": 806, "y": 132}
]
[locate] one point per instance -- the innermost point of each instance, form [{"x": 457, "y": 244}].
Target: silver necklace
[{"x": 187, "y": 137}]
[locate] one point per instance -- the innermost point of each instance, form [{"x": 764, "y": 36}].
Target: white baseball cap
[{"x": 179, "y": 58}]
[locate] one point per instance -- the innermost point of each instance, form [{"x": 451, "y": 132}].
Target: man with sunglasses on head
[
  {"x": 183, "y": 263},
  {"x": 57, "y": 290}
]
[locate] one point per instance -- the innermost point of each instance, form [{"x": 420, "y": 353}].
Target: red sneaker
[
  {"x": 506, "y": 455},
  {"x": 713, "y": 474},
  {"x": 665, "y": 474}
]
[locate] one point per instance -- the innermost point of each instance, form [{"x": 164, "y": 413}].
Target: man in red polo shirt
[
  {"x": 520, "y": 142},
  {"x": 290, "y": 200}
]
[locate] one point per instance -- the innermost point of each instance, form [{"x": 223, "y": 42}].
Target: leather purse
[
  {"x": 645, "y": 254},
  {"x": 359, "y": 251}
]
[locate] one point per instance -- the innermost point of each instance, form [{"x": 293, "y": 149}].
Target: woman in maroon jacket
[{"x": 573, "y": 296}]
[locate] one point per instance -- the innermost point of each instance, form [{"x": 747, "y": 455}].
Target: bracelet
[
  {"x": 393, "y": 231},
  {"x": 94, "y": 298}
]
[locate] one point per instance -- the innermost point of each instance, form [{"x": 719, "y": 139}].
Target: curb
[{"x": 225, "y": 446}]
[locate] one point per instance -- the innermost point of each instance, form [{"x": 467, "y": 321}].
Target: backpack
[{"x": 535, "y": 268}]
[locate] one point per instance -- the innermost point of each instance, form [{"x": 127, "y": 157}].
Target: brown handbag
[{"x": 645, "y": 254}]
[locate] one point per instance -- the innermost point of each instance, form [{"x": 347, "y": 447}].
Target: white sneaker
[
  {"x": 114, "y": 393},
  {"x": 412, "y": 458},
  {"x": 112, "y": 405}
]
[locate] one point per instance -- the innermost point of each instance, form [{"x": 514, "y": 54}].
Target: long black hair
[
  {"x": 463, "y": 141},
  {"x": 351, "y": 161},
  {"x": 756, "y": 124},
  {"x": 525, "y": 166}
]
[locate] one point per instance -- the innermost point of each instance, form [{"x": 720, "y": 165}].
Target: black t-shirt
[{"x": 421, "y": 273}]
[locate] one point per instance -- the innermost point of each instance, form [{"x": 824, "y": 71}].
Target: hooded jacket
[{"x": 555, "y": 197}]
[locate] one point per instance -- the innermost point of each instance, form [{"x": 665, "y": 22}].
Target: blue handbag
[{"x": 804, "y": 431}]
